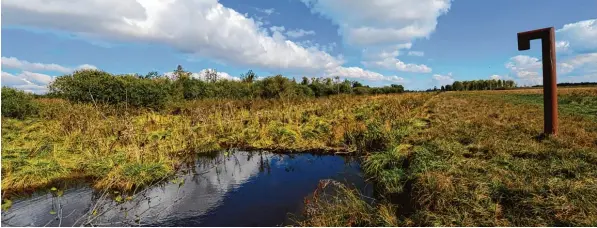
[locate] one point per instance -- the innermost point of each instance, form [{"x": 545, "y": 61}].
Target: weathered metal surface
[{"x": 550, "y": 95}]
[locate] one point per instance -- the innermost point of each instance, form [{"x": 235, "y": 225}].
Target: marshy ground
[{"x": 437, "y": 159}]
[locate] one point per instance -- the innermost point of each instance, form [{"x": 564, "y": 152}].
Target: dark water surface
[{"x": 225, "y": 189}]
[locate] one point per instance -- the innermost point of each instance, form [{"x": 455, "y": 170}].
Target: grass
[
  {"x": 482, "y": 162},
  {"x": 448, "y": 159},
  {"x": 126, "y": 149}
]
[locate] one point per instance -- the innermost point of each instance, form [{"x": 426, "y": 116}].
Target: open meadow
[{"x": 457, "y": 158}]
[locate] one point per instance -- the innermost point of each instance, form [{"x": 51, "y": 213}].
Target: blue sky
[{"x": 417, "y": 43}]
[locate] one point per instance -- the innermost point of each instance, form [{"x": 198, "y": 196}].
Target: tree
[
  {"x": 211, "y": 75},
  {"x": 152, "y": 75},
  {"x": 356, "y": 84},
  {"x": 249, "y": 77},
  {"x": 305, "y": 81},
  {"x": 457, "y": 86},
  {"x": 181, "y": 73}
]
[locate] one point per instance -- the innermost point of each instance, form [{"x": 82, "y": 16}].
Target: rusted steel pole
[{"x": 550, "y": 93}]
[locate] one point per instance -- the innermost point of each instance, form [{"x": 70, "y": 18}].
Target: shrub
[
  {"x": 18, "y": 104},
  {"x": 154, "y": 91},
  {"x": 102, "y": 87}
]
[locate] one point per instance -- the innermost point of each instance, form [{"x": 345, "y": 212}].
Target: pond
[{"x": 223, "y": 189}]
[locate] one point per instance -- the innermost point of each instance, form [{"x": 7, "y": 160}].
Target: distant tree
[
  {"x": 448, "y": 87},
  {"x": 305, "y": 81},
  {"x": 152, "y": 75},
  {"x": 356, "y": 84},
  {"x": 211, "y": 75},
  {"x": 249, "y": 77}
]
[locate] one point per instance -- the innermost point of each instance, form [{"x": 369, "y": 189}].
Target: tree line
[
  {"x": 478, "y": 85},
  {"x": 155, "y": 91}
]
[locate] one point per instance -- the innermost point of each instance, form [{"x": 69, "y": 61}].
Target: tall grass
[
  {"x": 114, "y": 146},
  {"x": 482, "y": 161}
]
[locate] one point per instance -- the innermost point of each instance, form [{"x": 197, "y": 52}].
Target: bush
[
  {"x": 18, "y": 104},
  {"x": 102, "y": 87},
  {"x": 155, "y": 91}
]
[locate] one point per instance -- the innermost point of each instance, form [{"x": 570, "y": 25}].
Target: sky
[{"x": 416, "y": 43}]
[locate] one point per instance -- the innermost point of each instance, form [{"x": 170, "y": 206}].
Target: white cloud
[
  {"x": 360, "y": 73},
  {"x": 375, "y": 53},
  {"x": 14, "y": 63},
  {"x": 201, "y": 75},
  {"x": 526, "y": 69},
  {"x": 202, "y": 27},
  {"x": 385, "y": 58},
  {"x": 579, "y": 37},
  {"x": 416, "y": 53},
  {"x": 221, "y": 75},
  {"x": 381, "y": 22},
  {"x": 298, "y": 33},
  {"x": 500, "y": 77},
  {"x": 396, "y": 64},
  {"x": 269, "y": 11},
  {"x": 9, "y": 79},
  {"x": 562, "y": 46},
  {"x": 32, "y": 81},
  {"x": 27, "y": 81},
  {"x": 36, "y": 78},
  {"x": 577, "y": 56},
  {"x": 441, "y": 80},
  {"x": 311, "y": 44}
]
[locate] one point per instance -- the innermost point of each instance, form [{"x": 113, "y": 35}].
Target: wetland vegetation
[{"x": 456, "y": 158}]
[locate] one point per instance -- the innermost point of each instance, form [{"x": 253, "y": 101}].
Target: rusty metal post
[{"x": 550, "y": 94}]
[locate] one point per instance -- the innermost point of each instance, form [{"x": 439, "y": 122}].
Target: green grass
[{"x": 567, "y": 104}]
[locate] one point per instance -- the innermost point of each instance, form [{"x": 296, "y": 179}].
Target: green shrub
[
  {"x": 18, "y": 104},
  {"x": 101, "y": 87},
  {"x": 155, "y": 91}
]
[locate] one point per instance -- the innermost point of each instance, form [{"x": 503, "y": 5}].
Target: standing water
[{"x": 225, "y": 189}]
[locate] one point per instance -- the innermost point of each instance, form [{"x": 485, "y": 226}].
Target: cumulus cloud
[
  {"x": 381, "y": 22},
  {"x": 311, "y": 44},
  {"x": 529, "y": 69},
  {"x": 526, "y": 69},
  {"x": 14, "y": 63},
  {"x": 32, "y": 81},
  {"x": 201, "y": 75},
  {"x": 360, "y": 73},
  {"x": 385, "y": 58},
  {"x": 202, "y": 27},
  {"x": 221, "y": 75},
  {"x": 441, "y": 80},
  {"x": 298, "y": 33},
  {"x": 208, "y": 29},
  {"x": 27, "y": 81},
  {"x": 396, "y": 64},
  {"x": 500, "y": 77},
  {"x": 577, "y": 56},
  {"x": 578, "y": 37}
]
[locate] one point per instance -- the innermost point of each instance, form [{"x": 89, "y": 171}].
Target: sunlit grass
[
  {"x": 483, "y": 161},
  {"x": 129, "y": 148}
]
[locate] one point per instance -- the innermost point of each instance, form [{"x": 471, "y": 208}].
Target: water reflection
[{"x": 223, "y": 189}]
